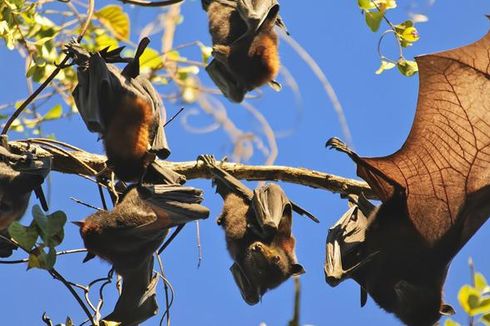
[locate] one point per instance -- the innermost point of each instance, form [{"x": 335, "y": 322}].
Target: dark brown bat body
[
  {"x": 129, "y": 235},
  {"x": 266, "y": 262},
  {"x": 258, "y": 234},
  {"x": 245, "y": 45},
  {"x": 124, "y": 108},
  {"x": 435, "y": 192},
  {"x": 19, "y": 176}
]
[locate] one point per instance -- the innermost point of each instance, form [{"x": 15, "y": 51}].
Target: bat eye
[
  {"x": 353, "y": 217},
  {"x": 276, "y": 259}
]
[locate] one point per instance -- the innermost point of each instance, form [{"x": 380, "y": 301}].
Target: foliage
[
  {"x": 47, "y": 228},
  {"x": 405, "y": 34},
  {"x": 474, "y": 298}
]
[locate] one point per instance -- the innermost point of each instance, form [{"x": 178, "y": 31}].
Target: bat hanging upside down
[
  {"x": 435, "y": 192},
  {"x": 245, "y": 45},
  {"x": 124, "y": 108},
  {"x": 19, "y": 176},
  {"x": 131, "y": 233},
  {"x": 258, "y": 234}
]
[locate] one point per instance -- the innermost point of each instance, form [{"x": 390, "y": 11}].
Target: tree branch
[{"x": 75, "y": 162}]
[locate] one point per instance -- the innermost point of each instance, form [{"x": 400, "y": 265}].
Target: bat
[
  {"x": 124, "y": 108},
  {"x": 129, "y": 235},
  {"x": 245, "y": 45},
  {"x": 258, "y": 233},
  {"x": 20, "y": 174},
  {"x": 435, "y": 192}
]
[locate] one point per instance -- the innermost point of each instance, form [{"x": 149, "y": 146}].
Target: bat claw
[
  {"x": 208, "y": 160},
  {"x": 337, "y": 144}
]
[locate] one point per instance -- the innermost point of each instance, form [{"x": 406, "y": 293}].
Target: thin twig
[
  {"x": 173, "y": 117},
  {"x": 169, "y": 240},
  {"x": 59, "y": 253},
  {"x": 199, "y": 247},
  {"x": 78, "y": 201}
]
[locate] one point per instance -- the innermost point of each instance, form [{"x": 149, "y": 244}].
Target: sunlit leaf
[
  {"x": 480, "y": 282},
  {"x": 407, "y": 67},
  {"x": 54, "y": 113},
  {"x": 373, "y": 19},
  {"x": 151, "y": 59},
  {"x": 450, "y": 322},
  {"x": 485, "y": 319},
  {"x": 116, "y": 20},
  {"x": 469, "y": 298},
  {"x": 385, "y": 65}
]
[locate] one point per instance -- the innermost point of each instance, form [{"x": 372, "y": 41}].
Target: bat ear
[
  {"x": 297, "y": 269},
  {"x": 88, "y": 257},
  {"x": 78, "y": 223},
  {"x": 364, "y": 296},
  {"x": 447, "y": 310}
]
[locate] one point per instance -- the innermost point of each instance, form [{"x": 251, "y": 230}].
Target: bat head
[
  {"x": 345, "y": 246},
  {"x": 263, "y": 267}
]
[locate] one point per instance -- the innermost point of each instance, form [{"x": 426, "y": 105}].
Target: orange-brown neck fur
[
  {"x": 127, "y": 138},
  {"x": 256, "y": 61}
]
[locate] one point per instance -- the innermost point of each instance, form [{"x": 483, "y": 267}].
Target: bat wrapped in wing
[
  {"x": 435, "y": 192},
  {"x": 245, "y": 45},
  {"x": 258, "y": 233},
  {"x": 131, "y": 233},
  {"x": 123, "y": 107}
]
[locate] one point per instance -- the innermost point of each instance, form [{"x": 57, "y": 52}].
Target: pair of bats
[
  {"x": 435, "y": 192},
  {"x": 258, "y": 234},
  {"x": 245, "y": 45},
  {"x": 20, "y": 175}
]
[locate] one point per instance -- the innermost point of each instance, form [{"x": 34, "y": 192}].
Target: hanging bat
[
  {"x": 20, "y": 174},
  {"x": 258, "y": 234},
  {"x": 435, "y": 192},
  {"x": 124, "y": 108},
  {"x": 129, "y": 235},
  {"x": 245, "y": 45}
]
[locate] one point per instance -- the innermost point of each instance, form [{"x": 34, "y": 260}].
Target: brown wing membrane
[{"x": 445, "y": 162}]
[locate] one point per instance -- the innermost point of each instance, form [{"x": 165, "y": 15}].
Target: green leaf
[
  {"x": 25, "y": 236},
  {"x": 373, "y": 19},
  {"x": 385, "y": 65},
  {"x": 151, "y": 59},
  {"x": 51, "y": 226},
  {"x": 450, "y": 322},
  {"x": 480, "y": 282},
  {"x": 365, "y": 4},
  {"x": 485, "y": 319},
  {"x": 54, "y": 113},
  {"x": 469, "y": 299},
  {"x": 41, "y": 259},
  {"x": 103, "y": 40},
  {"x": 109, "y": 323},
  {"x": 206, "y": 52},
  {"x": 116, "y": 20},
  {"x": 407, "y": 67}
]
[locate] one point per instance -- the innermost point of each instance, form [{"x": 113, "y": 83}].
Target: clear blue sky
[{"x": 379, "y": 110}]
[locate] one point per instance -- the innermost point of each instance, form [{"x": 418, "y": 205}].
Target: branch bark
[{"x": 76, "y": 162}]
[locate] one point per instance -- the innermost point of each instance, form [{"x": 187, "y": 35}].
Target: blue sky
[{"x": 379, "y": 110}]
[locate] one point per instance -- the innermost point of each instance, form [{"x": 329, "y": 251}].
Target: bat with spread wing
[
  {"x": 245, "y": 45},
  {"x": 257, "y": 227},
  {"x": 20, "y": 174},
  {"x": 124, "y": 108},
  {"x": 131, "y": 233},
  {"x": 435, "y": 192}
]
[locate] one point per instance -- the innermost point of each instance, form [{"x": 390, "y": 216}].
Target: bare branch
[{"x": 193, "y": 170}]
